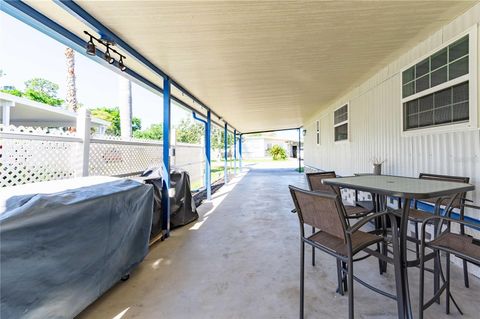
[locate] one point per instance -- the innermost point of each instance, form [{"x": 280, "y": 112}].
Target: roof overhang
[
  {"x": 262, "y": 65},
  {"x": 26, "y": 112}
]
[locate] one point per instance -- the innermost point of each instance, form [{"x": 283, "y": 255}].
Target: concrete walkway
[{"x": 241, "y": 260}]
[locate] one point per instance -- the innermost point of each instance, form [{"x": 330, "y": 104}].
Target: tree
[
  {"x": 218, "y": 138},
  {"x": 189, "y": 132},
  {"x": 13, "y": 92},
  {"x": 71, "y": 98},
  {"x": 42, "y": 85},
  {"x": 154, "y": 132},
  {"x": 112, "y": 115},
  {"x": 42, "y": 90},
  {"x": 278, "y": 153}
]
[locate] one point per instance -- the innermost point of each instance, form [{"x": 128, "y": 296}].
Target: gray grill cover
[{"x": 62, "y": 249}]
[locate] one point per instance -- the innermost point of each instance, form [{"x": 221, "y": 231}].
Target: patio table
[{"x": 408, "y": 189}]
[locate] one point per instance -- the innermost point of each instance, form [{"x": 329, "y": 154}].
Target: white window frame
[
  {"x": 317, "y": 133},
  {"x": 347, "y": 121},
  {"x": 471, "y": 77}
]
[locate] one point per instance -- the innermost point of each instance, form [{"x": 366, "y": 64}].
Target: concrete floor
[{"x": 240, "y": 260}]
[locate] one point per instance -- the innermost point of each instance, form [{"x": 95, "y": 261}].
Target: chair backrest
[
  {"x": 458, "y": 202},
  {"x": 316, "y": 185},
  {"x": 322, "y": 210}
]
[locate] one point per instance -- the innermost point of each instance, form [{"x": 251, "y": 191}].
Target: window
[
  {"x": 435, "y": 91},
  {"x": 340, "y": 123},
  {"x": 318, "y": 132}
]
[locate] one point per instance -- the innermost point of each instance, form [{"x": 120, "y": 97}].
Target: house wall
[
  {"x": 256, "y": 147},
  {"x": 375, "y": 113}
]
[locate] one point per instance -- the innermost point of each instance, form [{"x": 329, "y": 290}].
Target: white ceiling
[{"x": 267, "y": 64}]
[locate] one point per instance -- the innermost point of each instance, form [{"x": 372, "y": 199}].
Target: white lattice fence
[
  {"x": 30, "y": 155},
  {"x": 122, "y": 158}
]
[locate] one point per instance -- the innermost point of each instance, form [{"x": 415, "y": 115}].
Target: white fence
[{"x": 29, "y": 155}]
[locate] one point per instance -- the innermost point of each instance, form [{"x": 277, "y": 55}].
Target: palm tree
[
  {"x": 125, "y": 102},
  {"x": 71, "y": 98}
]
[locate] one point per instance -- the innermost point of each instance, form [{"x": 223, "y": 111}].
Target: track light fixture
[
  {"x": 108, "y": 57},
  {"x": 121, "y": 65},
  {"x": 91, "y": 47},
  {"x": 91, "y": 50}
]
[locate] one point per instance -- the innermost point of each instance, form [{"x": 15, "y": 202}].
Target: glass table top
[{"x": 400, "y": 186}]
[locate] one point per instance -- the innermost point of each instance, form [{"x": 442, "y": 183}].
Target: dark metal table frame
[{"x": 408, "y": 189}]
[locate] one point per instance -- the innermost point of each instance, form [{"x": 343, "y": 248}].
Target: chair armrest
[
  {"x": 365, "y": 220},
  {"x": 458, "y": 221}
]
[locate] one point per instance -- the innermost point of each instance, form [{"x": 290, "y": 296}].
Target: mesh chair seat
[
  {"x": 356, "y": 211},
  {"x": 464, "y": 246},
  {"x": 360, "y": 240},
  {"x": 414, "y": 214}
]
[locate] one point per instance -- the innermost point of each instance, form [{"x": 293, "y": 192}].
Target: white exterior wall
[{"x": 375, "y": 113}]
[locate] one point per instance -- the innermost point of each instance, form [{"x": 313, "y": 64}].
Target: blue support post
[
  {"x": 166, "y": 158},
  {"x": 208, "y": 176},
  {"x": 240, "y": 151},
  {"x": 225, "y": 146},
  {"x": 235, "y": 152},
  {"x": 208, "y": 170}
]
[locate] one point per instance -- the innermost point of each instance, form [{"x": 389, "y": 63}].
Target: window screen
[
  {"x": 443, "y": 107},
  {"x": 341, "y": 132},
  {"x": 341, "y": 114},
  {"x": 444, "y": 65},
  {"x": 340, "y": 123}
]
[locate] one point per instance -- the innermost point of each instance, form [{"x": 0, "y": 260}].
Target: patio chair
[
  {"x": 336, "y": 237},
  {"x": 315, "y": 184},
  {"x": 457, "y": 243},
  {"x": 418, "y": 216}
]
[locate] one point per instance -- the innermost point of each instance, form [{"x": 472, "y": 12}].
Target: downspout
[{"x": 208, "y": 177}]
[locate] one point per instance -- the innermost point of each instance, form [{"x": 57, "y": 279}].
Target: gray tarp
[{"x": 61, "y": 246}]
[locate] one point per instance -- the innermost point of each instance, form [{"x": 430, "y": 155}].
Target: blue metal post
[
  {"x": 225, "y": 146},
  {"x": 166, "y": 158},
  {"x": 240, "y": 151},
  {"x": 235, "y": 152},
  {"x": 208, "y": 171}
]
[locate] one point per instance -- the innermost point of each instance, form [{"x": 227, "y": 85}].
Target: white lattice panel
[
  {"x": 29, "y": 155},
  {"x": 117, "y": 158}
]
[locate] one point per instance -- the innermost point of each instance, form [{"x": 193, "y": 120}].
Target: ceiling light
[
  {"x": 108, "y": 57},
  {"x": 121, "y": 65},
  {"x": 91, "y": 47}
]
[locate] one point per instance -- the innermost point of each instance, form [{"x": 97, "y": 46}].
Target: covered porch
[{"x": 387, "y": 83}]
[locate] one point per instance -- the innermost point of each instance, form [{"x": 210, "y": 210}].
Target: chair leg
[
  {"x": 465, "y": 264},
  {"x": 465, "y": 274},
  {"x": 380, "y": 264},
  {"x": 344, "y": 276},
  {"x": 350, "y": 288},
  {"x": 302, "y": 276},
  {"x": 340, "y": 277},
  {"x": 313, "y": 248},
  {"x": 421, "y": 284},
  {"x": 417, "y": 246},
  {"x": 436, "y": 274},
  {"x": 447, "y": 289}
]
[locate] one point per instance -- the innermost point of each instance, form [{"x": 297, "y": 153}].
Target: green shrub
[{"x": 278, "y": 153}]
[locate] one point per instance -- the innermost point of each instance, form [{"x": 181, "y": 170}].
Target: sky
[{"x": 27, "y": 53}]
